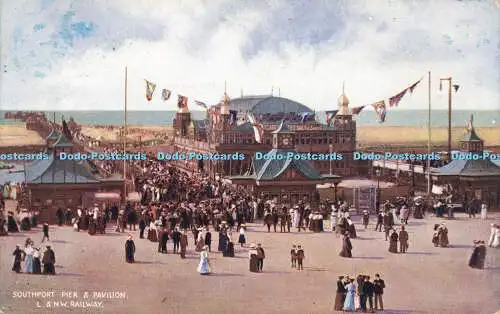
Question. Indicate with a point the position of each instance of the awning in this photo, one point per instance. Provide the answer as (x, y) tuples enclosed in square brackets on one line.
[(107, 196)]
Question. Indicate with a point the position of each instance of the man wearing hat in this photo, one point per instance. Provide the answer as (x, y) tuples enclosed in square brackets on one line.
[(49, 260), (176, 238)]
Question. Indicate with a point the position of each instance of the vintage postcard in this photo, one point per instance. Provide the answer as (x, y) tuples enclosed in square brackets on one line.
[(264, 156)]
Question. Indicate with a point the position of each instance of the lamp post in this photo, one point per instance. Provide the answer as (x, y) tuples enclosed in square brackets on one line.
[(450, 86), (377, 201)]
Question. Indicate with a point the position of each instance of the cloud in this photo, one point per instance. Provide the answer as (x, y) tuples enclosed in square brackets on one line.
[(71, 54)]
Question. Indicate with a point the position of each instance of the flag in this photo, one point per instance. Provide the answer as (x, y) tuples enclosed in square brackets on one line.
[(357, 110), (150, 89), (66, 131), (456, 87), (257, 128), (165, 94), (330, 115), (394, 100), (380, 110), (411, 88), (201, 104), (233, 114), (214, 116), (182, 102), (305, 116)]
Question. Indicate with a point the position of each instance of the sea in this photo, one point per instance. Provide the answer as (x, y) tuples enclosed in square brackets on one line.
[(410, 118)]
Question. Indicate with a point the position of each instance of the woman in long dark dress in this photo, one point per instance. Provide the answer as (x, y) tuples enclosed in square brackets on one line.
[(129, 250), (11, 223), (393, 242), (346, 246), (340, 295), (92, 227), (18, 256), (37, 265), (478, 255), (252, 254), (222, 242)]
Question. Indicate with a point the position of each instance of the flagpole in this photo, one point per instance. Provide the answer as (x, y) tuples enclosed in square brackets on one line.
[(125, 137), (429, 141)]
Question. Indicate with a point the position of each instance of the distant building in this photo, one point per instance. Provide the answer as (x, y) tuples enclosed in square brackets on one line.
[(227, 130), (56, 183), (471, 179)]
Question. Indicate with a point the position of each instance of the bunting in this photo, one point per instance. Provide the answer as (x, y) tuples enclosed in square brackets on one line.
[(456, 87), (380, 110), (201, 104), (411, 88), (257, 128), (165, 94), (357, 110), (330, 115), (182, 102), (233, 114), (150, 89), (394, 100)]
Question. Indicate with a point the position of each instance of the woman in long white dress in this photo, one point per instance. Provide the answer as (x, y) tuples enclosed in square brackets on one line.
[(28, 259), (494, 240), (484, 211), (204, 266), (333, 219)]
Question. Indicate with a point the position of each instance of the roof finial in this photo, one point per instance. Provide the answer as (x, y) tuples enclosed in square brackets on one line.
[(242, 93), (471, 120), (225, 87), (272, 90), (343, 87)]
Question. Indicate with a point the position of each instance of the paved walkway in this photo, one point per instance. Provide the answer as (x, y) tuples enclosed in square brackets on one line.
[(426, 280)]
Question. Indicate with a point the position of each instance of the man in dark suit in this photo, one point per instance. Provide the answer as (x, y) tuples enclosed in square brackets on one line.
[(368, 288), (164, 241), (176, 238), (208, 240), (378, 289), (160, 238), (380, 221), (142, 227)]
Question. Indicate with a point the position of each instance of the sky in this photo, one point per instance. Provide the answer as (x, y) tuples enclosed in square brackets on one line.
[(71, 55)]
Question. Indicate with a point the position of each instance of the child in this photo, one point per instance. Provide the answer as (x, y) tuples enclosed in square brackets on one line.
[(293, 256), (242, 238), (300, 258)]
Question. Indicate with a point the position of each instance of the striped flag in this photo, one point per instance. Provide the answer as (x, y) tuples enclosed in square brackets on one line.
[(380, 110), (150, 89), (304, 116), (201, 104), (357, 110), (257, 128), (165, 94), (330, 114), (182, 101)]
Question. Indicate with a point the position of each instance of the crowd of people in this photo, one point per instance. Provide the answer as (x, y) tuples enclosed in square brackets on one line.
[(30, 255), (360, 291)]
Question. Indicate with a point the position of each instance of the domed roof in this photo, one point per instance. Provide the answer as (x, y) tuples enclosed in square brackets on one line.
[(343, 100), (267, 104)]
